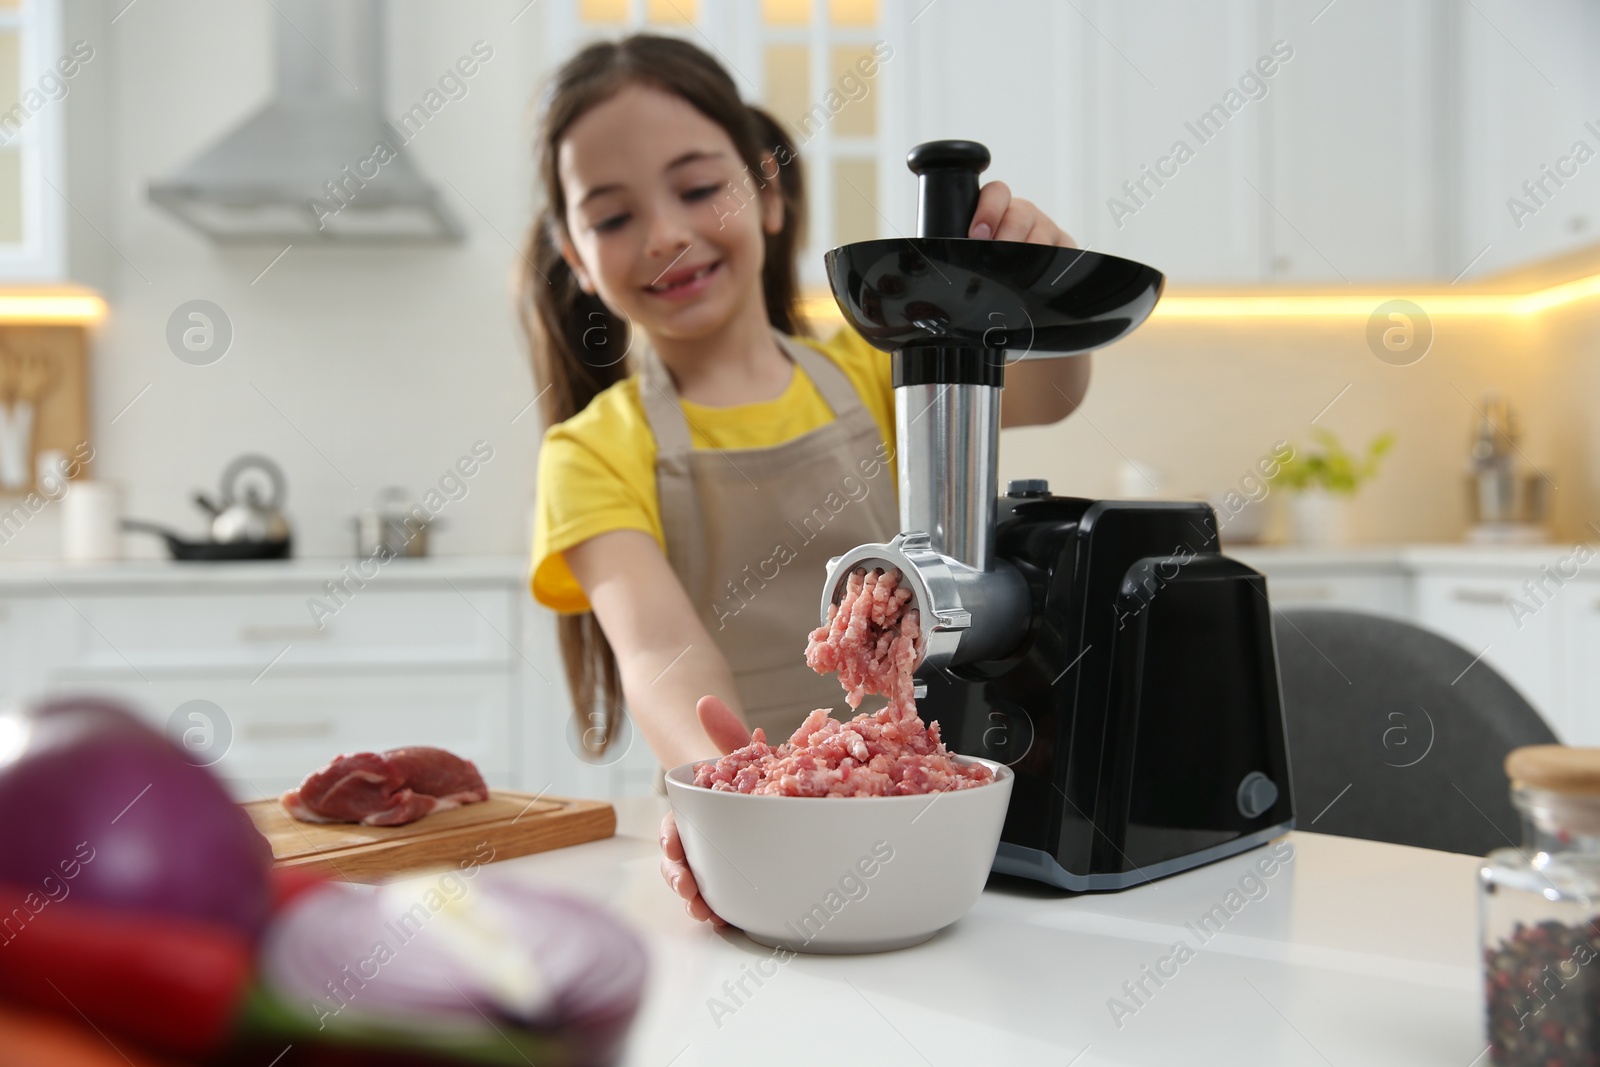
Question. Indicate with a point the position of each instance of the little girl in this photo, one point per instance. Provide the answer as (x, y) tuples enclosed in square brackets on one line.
[(704, 457)]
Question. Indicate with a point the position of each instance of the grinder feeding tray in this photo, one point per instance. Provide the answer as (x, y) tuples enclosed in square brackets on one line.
[(1105, 650)]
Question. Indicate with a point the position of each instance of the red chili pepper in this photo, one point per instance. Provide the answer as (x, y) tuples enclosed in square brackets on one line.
[(290, 882), (175, 984)]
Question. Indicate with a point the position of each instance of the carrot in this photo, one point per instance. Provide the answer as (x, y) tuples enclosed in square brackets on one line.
[(28, 1039)]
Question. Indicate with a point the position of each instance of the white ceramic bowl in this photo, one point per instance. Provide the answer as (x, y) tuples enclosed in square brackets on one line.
[(840, 874)]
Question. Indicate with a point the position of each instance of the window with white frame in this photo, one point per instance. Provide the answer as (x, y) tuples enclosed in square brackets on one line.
[(33, 85), (816, 65), (819, 68)]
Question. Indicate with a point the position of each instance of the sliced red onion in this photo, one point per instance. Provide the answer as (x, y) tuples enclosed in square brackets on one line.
[(443, 952)]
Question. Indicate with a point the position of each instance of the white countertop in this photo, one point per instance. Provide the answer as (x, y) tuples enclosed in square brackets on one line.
[(22, 576), (19, 576), (1358, 954), (1411, 557)]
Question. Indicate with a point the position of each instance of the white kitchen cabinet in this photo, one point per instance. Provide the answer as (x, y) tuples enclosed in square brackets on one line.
[(1355, 580), (1329, 138), (1393, 145), (1474, 609), (223, 632), (1389, 145), (1172, 172), (447, 652), (30, 632), (1545, 648), (1580, 607), (12, 684), (1529, 94), (1357, 149), (396, 665), (1378, 594), (1243, 141), (278, 729), (1408, 141), (963, 71)]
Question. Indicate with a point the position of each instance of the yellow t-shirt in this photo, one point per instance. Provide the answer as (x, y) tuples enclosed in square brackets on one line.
[(597, 470)]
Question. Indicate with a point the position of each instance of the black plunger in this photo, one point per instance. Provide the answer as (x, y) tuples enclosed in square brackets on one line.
[(947, 185)]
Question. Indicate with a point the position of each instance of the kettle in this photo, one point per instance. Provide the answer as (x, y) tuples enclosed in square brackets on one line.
[(248, 520)]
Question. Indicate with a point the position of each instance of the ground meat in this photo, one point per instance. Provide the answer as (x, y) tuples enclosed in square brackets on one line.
[(871, 641), (873, 755)]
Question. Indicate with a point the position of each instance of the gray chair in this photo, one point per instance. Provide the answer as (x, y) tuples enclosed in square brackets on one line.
[(1390, 741)]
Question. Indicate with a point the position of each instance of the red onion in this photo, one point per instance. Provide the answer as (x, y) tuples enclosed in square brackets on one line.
[(87, 787), (482, 945)]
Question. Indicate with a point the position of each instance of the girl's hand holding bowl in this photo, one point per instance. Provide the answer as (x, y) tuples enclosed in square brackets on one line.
[(728, 733)]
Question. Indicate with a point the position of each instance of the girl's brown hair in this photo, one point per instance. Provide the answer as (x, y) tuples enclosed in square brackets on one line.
[(576, 341)]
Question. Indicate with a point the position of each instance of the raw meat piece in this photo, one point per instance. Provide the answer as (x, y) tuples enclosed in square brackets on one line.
[(871, 641), (391, 789)]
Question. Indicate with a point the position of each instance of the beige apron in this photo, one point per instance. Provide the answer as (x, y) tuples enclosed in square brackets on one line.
[(750, 532)]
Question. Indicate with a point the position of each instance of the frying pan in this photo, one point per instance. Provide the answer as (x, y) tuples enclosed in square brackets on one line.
[(182, 548)]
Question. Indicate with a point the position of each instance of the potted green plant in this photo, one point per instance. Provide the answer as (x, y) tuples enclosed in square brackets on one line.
[(1321, 482)]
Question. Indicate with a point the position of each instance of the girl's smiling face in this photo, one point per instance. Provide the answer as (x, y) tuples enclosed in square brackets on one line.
[(653, 225)]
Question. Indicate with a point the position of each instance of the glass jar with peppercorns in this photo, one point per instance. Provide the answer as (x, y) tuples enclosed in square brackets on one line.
[(1539, 915)]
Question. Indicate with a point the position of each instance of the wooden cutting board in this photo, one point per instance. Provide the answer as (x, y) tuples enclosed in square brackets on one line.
[(503, 827)]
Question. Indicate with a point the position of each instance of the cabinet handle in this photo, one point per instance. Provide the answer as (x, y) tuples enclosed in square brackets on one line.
[(279, 731), (291, 632), (1481, 596)]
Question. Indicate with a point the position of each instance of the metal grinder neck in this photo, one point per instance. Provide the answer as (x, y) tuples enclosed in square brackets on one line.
[(947, 398)]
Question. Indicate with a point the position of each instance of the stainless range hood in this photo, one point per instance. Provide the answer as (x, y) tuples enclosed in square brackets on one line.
[(319, 161)]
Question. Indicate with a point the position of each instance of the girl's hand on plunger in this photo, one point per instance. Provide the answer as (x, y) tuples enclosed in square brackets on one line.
[(727, 733), (1007, 218), (1040, 391)]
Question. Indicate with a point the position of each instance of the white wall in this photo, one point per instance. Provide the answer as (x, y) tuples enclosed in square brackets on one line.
[(353, 368), (1203, 401)]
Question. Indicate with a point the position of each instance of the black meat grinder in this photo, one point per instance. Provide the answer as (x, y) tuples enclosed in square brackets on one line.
[(1105, 650)]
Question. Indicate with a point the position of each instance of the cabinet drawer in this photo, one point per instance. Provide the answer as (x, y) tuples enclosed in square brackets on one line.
[(12, 684), (242, 633), (1495, 616), (1583, 666), (1380, 595), (267, 736), (33, 631)]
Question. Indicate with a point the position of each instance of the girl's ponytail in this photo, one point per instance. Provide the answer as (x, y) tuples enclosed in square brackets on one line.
[(577, 346), (780, 282)]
